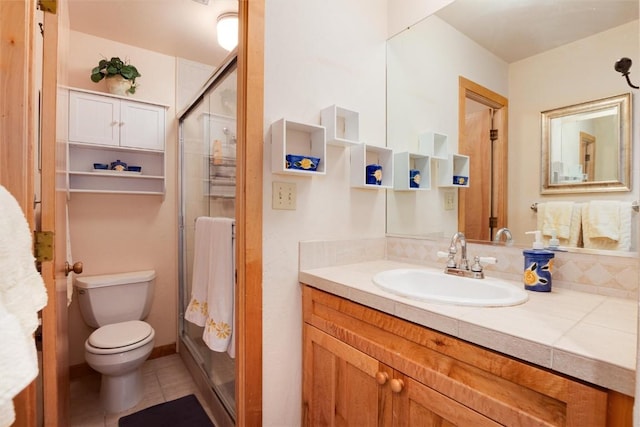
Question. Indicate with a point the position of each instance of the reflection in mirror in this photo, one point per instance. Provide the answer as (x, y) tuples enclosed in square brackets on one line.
[(587, 147), (427, 59)]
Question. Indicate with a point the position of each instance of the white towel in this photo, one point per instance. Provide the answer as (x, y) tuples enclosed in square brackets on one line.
[(22, 295), (212, 290), (603, 220), (557, 216), (595, 238), (575, 227)]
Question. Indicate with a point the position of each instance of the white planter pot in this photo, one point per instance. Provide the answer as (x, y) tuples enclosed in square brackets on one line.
[(118, 85)]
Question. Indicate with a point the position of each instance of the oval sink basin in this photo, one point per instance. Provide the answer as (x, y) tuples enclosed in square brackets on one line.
[(435, 286)]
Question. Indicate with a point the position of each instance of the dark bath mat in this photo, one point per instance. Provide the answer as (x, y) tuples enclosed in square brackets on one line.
[(183, 412)]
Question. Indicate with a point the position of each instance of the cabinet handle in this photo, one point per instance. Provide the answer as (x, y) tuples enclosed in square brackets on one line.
[(396, 385), (382, 377), (114, 123)]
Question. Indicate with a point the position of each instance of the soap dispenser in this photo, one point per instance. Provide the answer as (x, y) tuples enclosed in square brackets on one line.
[(538, 265)]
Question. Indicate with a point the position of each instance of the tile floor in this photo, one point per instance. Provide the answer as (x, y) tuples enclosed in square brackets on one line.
[(165, 378)]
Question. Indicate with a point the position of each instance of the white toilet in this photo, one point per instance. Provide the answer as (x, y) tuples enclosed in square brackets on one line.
[(116, 305)]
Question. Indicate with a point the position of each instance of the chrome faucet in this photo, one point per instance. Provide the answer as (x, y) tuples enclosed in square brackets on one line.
[(458, 237), (462, 268), (506, 233)]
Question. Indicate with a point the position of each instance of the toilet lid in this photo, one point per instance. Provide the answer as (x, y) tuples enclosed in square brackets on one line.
[(120, 334)]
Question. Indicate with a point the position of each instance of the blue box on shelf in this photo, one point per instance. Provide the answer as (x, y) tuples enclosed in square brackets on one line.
[(374, 174), (460, 180), (307, 163), (414, 178)]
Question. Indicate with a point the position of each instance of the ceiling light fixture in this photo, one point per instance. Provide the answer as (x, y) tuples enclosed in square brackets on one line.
[(227, 30)]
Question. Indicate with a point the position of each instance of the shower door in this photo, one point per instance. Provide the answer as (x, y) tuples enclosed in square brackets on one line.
[(207, 188)]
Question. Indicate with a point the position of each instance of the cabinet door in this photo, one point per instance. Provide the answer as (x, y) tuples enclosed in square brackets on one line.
[(94, 119), (417, 405), (142, 126), (340, 386)]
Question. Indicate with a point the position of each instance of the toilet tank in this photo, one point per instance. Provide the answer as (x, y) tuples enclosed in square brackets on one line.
[(113, 298)]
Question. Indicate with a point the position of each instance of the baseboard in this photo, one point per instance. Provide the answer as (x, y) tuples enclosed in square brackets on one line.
[(83, 369)]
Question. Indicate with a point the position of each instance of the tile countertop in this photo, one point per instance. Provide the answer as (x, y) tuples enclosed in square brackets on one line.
[(586, 336)]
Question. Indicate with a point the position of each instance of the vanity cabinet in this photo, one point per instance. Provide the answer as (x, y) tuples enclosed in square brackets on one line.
[(364, 367), (104, 128)]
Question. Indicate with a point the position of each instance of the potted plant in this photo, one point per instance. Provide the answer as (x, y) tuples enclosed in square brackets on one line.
[(120, 75)]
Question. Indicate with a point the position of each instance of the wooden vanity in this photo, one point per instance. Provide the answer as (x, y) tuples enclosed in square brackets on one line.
[(364, 367)]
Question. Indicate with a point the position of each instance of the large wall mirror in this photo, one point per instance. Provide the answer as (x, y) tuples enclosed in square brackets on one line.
[(587, 147), (537, 70)]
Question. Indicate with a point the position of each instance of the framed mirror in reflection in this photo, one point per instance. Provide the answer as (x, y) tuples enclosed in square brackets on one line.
[(587, 147)]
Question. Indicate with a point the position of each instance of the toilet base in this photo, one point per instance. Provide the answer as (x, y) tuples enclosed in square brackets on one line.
[(119, 393)]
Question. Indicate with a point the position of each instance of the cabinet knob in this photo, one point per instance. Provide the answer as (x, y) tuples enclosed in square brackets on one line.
[(396, 385), (76, 268), (382, 377), (114, 123)]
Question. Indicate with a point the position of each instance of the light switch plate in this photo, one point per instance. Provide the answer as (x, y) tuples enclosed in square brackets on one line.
[(449, 200), (284, 195)]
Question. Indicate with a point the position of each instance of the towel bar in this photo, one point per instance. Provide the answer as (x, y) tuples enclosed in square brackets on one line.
[(634, 205)]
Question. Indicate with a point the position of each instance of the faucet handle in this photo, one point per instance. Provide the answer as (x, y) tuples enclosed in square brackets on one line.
[(487, 260), (451, 262), (479, 260)]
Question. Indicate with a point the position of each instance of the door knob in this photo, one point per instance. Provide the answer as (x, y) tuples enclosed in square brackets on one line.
[(76, 268)]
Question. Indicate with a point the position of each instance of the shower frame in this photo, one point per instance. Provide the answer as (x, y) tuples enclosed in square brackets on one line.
[(223, 416)]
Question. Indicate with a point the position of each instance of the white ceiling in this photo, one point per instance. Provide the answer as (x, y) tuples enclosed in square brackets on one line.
[(512, 29), (517, 29), (183, 28)]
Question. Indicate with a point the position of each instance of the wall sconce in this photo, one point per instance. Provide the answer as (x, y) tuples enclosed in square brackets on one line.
[(227, 30), (623, 66)]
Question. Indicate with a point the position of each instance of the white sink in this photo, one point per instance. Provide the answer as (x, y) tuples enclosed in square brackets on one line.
[(435, 286)]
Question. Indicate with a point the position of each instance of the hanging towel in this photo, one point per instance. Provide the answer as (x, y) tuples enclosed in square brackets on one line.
[(607, 225), (603, 220), (575, 225), (22, 295), (557, 216), (212, 288)]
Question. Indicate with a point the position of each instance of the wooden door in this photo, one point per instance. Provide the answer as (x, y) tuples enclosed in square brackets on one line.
[(417, 405), (340, 386), (477, 198), (55, 371), (488, 181), (17, 133)]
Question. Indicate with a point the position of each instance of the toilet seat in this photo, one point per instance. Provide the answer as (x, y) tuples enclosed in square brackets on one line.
[(119, 337)]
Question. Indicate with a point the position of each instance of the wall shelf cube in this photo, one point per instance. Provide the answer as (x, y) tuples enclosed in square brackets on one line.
[(454, 172), (363, 155), (434, 145), (343, 126), (404, 162), (294, 138)]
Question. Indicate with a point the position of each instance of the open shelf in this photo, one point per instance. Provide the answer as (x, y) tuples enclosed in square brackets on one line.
[(433, 144), (363, 155), (454, 172), (342, 125), (404, 162), (288, 137)]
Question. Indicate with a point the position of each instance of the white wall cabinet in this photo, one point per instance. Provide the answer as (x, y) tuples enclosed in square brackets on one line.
[(454, 172), (103, 129)]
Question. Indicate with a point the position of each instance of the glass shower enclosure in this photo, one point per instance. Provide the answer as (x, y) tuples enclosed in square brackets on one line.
[(207, 176)]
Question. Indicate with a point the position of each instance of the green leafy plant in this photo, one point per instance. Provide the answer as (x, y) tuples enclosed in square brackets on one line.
[(113, 67)]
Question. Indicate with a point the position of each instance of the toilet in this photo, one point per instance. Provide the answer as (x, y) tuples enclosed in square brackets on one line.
[(116, 305)]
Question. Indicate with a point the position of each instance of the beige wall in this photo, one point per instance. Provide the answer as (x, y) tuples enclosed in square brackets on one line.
[(564, 76), (119, 233)]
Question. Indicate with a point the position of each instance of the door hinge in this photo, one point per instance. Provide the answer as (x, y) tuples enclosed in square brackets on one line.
[(493, 134), (493, 221), (43, 246), (50, 6)]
